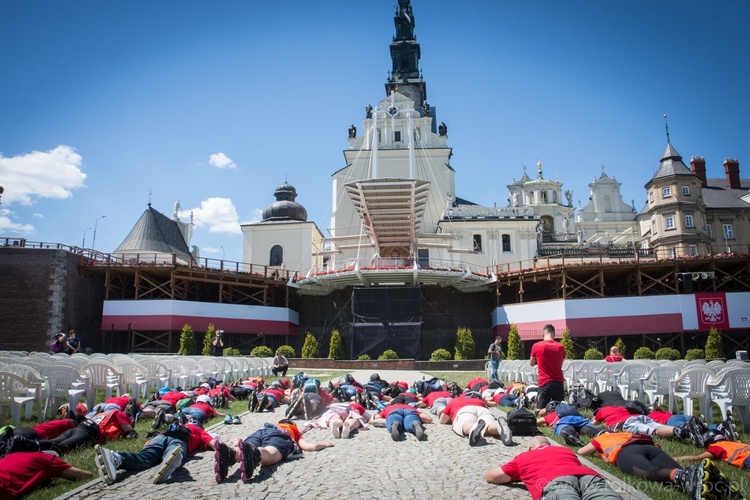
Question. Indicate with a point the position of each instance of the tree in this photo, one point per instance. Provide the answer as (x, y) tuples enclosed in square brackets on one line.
[(464, 344), (187, 341), (287, 351), (336, 348), (620, 346), (514, 343), (262, 351), (714, 348), (567, 343), (232, 351), (643, 353), (440, 355), (388, 354), (310, 349), (593, 353), (692, 354), (207, 338), (668, 353)]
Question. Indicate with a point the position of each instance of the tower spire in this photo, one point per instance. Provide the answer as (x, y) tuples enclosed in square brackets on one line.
[(666, 126), (405, 76)]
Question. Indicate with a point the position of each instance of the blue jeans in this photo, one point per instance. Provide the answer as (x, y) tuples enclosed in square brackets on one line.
[(153, 453), (196, 413), (404, 418), (494, 365)]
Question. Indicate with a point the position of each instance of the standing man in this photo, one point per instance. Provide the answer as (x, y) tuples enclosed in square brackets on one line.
[(218, 343), (548, 355), (74, 343), (496, 355)]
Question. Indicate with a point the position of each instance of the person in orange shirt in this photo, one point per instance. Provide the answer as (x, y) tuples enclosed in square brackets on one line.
[(718, 447)]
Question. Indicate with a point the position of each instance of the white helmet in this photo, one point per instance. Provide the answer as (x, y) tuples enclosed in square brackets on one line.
[(203, 399)]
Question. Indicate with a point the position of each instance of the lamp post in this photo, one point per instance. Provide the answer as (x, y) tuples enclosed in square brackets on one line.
[(93, 245), (83, 244), (223, 253)]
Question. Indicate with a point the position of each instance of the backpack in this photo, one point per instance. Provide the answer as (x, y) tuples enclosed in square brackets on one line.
[(584, 399), (239, 392), (637, 408), (392, 390), (454, 389), (566, 410), (299, 380), (522, 423), (347, 379), (311, 385), (184, 403), (611, 398), (424, 387)]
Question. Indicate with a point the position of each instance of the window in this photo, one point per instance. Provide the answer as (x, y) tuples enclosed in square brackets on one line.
[(728, 233), (607, 204), (277, 256), (544, 196), (397, 136), (692, 250), (666, 192), (710, 231), (477, 239), (671, 253), (651, 197), (689, 221), (686, 190), (506, 243), (423, 256), (653, 226), (669, 222)]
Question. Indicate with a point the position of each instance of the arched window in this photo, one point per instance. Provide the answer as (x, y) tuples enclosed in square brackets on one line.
[(607, 204), (544, 196), (277, 256)]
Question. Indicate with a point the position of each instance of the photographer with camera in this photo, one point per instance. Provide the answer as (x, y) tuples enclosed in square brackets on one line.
[(218, 343)]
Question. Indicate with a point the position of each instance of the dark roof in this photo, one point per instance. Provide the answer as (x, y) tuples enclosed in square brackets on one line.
[(155, 232), (460, 201), (671, 164), (718, 195)]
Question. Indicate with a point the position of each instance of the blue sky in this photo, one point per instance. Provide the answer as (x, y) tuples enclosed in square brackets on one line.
[(217, 103)]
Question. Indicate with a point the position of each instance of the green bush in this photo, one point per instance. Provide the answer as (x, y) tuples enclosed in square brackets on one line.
[(464, 344), (440, 355), (714, 349), (388, 354), (620, 346), (692, 354), (287, 351), (668, 353), (261, 351), (232, 351), (643, 353), (593, 354), (514, 343), (364, 357), (207, 338), (310, 349), (336, 348), (567, 343), (187, 341)]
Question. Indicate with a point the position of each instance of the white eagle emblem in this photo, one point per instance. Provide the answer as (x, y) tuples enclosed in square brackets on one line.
[(712, 311)]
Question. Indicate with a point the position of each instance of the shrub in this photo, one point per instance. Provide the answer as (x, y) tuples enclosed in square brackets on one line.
[(593, 353), (692, 354), (232, 351), (187, 341), (643, 353), (464, 344), (287, 351), (567, 343), (261, 351), (336, 348), (440, 355), (207, 338), (514, 343), (388, 354), (714, 348), (620, 346), (364, 357), (668, 353), (310, 349)]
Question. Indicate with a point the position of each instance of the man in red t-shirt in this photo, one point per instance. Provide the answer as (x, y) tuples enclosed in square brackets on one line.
[(548, 356), (553, 471), (22, 472)]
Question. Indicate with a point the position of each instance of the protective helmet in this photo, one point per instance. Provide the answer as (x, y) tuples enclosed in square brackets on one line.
[(712, 435), (374, 377), (203, 399), (551, 406)]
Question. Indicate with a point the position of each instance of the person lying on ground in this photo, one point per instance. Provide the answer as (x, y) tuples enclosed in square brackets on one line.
[(722, 444), (470, 417), (101, 428), (342, 419), (22, 473), (406, 418), (622, 418), (567, 422), (197, 413)]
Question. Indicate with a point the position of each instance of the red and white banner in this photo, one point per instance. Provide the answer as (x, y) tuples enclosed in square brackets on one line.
[(712, 311)]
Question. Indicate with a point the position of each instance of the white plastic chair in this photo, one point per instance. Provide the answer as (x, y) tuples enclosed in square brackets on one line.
[(731, 389), (158, 374), (180, 374), (570, 372), (101, 375), (586, 373), (656, 382), (688, 386), (606, 375), (62, 382), (37, 383), (629, 379), (13, 394), (135, 378)]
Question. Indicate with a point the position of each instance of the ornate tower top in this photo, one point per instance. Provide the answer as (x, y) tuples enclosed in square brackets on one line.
[(405, 76)]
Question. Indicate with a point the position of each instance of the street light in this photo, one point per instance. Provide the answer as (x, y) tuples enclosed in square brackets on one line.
[(223, 253), (93, 245), (83, 244)]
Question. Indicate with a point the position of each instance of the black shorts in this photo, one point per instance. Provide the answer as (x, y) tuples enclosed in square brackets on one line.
[(551, 391), (273, 437)]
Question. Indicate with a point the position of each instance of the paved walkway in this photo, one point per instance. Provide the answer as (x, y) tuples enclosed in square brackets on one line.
[(369, 465)]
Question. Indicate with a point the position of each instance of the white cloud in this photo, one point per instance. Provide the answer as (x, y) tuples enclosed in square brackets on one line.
[(220, 160), (7, 224), (51, 174), (217, 214), (256, 216), (38, 216), (211, 250)]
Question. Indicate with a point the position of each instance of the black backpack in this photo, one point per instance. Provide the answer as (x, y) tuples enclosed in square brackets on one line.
[(584, 399), (522, 423), (424, 387), (239, 392)]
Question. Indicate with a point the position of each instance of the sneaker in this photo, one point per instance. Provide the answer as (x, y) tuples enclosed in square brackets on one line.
[(107, 462), (236, 420), (571, 439), (228, 419), (395, 432), (253, 403), (716, 484), (262, 403), (336, 431), (159, 419), (249, 459), (345, 431), (506, 435), (475, 432), (307, 407), (168, 466), (419, 431), (222, 456)]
